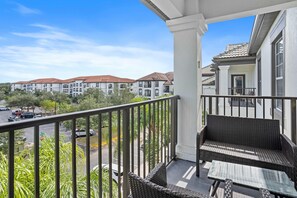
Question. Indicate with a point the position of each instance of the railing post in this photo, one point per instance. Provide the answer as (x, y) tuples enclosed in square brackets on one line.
[(210, 105), (293, 120), (36, 162), (174, 127), (126, 152), (11, 163), (57, 160)]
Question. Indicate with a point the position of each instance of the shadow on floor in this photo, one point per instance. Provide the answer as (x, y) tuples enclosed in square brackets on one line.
[(183, 173)]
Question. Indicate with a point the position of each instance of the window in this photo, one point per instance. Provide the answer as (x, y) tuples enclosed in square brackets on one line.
[(140, 83), (109, 86), (140, 92), (156, 83), (157, 92), (97, 84), (80, 90), (259, 77), (278, 68), (109, 92), (147, 93), (147, 84), (122, 86), (166, 89)]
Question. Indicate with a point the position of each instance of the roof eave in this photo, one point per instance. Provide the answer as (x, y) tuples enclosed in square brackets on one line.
[(234, 61), (155, 9), (262, 25)]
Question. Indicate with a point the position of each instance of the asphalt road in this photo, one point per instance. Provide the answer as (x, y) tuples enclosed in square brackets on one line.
[(48, 130), (4, 115)]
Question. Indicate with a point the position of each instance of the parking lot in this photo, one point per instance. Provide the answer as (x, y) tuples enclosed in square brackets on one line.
[(47, 130), (4, 115)]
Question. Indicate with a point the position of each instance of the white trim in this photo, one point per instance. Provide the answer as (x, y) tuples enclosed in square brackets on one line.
[(196, 22)]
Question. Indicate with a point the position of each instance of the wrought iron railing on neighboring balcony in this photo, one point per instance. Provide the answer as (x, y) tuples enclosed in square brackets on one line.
[(145, 133), (242, 91), (266, 107)]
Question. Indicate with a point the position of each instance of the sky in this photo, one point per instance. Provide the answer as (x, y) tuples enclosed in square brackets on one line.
[(69, 38)]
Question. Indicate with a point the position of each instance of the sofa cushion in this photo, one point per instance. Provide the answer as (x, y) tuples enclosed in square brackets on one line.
[(243, 152), (261, 133)]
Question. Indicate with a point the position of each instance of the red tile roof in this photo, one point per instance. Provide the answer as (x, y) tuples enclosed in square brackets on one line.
[(45, 81), (156, 76), (86, 79)]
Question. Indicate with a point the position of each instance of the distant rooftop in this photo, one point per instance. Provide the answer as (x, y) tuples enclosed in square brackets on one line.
[(234, 51), (86, 79)]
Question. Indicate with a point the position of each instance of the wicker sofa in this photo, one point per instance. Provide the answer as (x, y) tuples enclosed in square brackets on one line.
[(155, 186), (254, 142)]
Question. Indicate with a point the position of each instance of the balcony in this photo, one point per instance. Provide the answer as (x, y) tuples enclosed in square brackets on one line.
[(139, 136)]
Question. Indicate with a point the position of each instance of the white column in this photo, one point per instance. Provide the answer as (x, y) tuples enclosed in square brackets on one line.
[(188, 80), (224, 80), (153, 90)]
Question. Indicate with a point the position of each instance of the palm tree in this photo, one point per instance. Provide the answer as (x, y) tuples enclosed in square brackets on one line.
[(24, 173)]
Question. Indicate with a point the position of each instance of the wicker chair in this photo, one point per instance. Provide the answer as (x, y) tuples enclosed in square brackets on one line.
[(155, 186), (254, 142)]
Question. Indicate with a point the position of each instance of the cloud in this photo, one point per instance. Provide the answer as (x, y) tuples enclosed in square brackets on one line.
[(55, 53), (26, 10)]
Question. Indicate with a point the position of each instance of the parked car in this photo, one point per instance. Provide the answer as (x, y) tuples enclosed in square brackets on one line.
[(17, 112), (27, 115), (82, 132), (13, 118), (4, 109), (114, 172)]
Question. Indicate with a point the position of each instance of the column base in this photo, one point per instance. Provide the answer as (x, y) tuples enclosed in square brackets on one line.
[(186, 152)]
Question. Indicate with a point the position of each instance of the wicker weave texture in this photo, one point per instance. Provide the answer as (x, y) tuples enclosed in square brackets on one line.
[(254, 142), (149, 188), (261, 133)]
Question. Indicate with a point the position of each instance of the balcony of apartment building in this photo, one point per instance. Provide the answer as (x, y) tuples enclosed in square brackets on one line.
[(162, 130)]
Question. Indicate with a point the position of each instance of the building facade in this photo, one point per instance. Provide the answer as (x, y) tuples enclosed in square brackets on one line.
[(75, 86), (266, 66), (154, 85)]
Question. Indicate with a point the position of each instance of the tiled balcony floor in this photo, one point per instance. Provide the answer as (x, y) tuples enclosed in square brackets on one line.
[(183, 173)]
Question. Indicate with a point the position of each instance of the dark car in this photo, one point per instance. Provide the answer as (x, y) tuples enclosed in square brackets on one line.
[(27, 115)]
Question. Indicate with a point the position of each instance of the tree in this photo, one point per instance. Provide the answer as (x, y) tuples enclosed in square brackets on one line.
[(24, 169), (119, 97), (48, 105), (18, 140), (97, 94), (22, 100), (4, 90)]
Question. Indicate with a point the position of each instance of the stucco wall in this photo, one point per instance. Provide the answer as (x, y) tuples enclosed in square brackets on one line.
[(290, 64)]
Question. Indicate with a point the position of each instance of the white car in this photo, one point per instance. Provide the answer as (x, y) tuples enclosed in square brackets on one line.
[(82, 132), (4, 109), (114, 172)]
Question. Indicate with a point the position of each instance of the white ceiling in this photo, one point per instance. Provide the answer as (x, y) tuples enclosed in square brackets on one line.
[(220, 10)]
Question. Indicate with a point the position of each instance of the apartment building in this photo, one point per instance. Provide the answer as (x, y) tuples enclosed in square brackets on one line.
[(42, 84), (154, 85), (75, 86)]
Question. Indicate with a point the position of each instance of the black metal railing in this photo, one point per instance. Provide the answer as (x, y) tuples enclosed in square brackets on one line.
[(266, 107), (143, 134), (242, 91)]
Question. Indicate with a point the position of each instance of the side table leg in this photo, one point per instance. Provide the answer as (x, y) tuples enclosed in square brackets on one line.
[(213, 188)]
